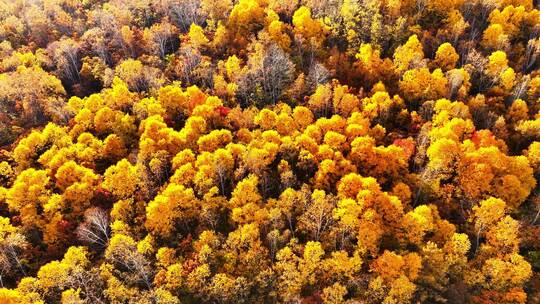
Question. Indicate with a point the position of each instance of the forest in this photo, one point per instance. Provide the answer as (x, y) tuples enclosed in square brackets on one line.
[(269, 151)]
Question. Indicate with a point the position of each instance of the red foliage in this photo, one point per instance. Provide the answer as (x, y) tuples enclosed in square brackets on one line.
[(223, 111), (64, 226), (189, 265), (407, 145), (169, 121), (483, 138), (185, 244), (103, 198)]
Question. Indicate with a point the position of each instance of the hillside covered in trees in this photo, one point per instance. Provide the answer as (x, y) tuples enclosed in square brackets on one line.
[(269, 151)]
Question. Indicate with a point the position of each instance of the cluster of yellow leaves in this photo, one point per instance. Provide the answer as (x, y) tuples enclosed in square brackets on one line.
[(420, 84), (371, 63), (312, 30), (446, 57), (456, 149), (501, 268), (296, 272), (173, 157), (408, 55), (395, 274), (56, 275), (174, 206), (121, 179), (367, 211)]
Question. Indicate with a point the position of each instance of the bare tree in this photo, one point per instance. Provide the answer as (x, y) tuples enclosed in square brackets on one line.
[(535, 199), (160, 37), (89, 282), (95, 41), (476, 13), (521, 88), (317, 217), (125, 256), (270, 71), (478, 70), (185, 12), (95, 229), (532, 54), (189, 59), (455, 80), (276, 72), (318, 74), (66, 57), (10, 250)]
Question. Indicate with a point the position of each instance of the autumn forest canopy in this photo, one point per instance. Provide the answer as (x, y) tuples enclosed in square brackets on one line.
[(269, 151)]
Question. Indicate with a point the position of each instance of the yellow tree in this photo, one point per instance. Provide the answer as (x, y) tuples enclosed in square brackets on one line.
[(121, 179), (446, 57), (245, 17), (512, 183), (494, 37), (419, 84), (245, 202), (176, 205), (371, 63), (409, 55), (78, 184), (384, 163), (310, 30), (38, 94), (501, 269), (196, 36), (417, 223), (29, 193), (367, 212), (395, 276)]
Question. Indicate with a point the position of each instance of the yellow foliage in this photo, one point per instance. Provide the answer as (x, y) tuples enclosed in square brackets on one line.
[(494, 37), (9, 296), (121, 179), (197, 36), (408, 55), (446, 57), (308, 28), (28, 193), (420, 84), (176, 203), (497, 63), (246, 15)]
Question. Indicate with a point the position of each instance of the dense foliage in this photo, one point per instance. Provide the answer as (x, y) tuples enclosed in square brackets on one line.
[(263, 151)]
